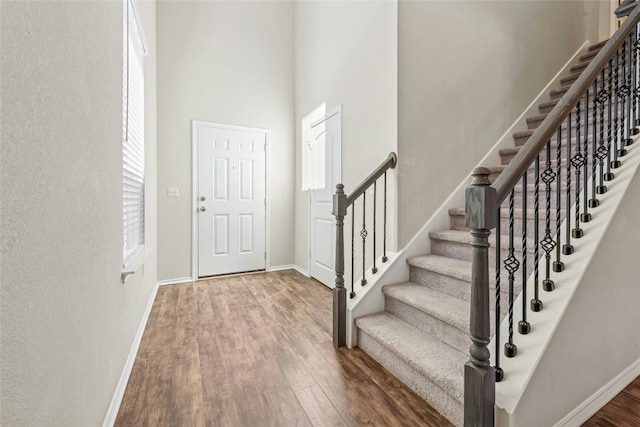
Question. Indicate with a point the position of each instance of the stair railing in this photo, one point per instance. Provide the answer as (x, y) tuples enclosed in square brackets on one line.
[(341, 204), (585, 135)]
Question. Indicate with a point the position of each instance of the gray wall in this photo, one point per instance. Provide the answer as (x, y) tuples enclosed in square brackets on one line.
[(223, 62), (68, 322), (466, 71), (347, 53)]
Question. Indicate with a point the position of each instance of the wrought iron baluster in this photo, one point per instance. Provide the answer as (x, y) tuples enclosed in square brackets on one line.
[(363, 234), (608, 176), (353, 249), (629, 95), (524, 327), (636, 92), (384, 237), (536, 304), (499, 371), (558, 265), (374, 270), (577, 162), (511, 264), (602, 152), (621, 92), (567, 248), (548, 244), (594, 202), (586, 216)]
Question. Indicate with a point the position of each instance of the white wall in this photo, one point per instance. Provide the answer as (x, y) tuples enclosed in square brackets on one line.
[(597, 338), (68, 322), (223, 62), (467, 69), (346, 53)]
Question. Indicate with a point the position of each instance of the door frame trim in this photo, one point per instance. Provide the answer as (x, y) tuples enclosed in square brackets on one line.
[(194, 189), (327, 115)]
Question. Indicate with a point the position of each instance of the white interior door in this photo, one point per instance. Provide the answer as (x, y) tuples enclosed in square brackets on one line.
[(324, 138), (231, 203)]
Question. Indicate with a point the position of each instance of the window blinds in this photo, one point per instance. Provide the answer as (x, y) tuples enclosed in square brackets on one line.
[(133, 144)]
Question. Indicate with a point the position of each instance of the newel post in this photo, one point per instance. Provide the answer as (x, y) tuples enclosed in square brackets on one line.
[(339, 291), (479, 375)]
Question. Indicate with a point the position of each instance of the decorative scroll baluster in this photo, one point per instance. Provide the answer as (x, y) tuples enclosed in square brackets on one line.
[(558, 265), (628, 81), (636, 91), (536, 303), (479, 375), (511, 264), (498, 312), (577, 162), (608, 176), (602, 152), (567, 248), (586, 216), (619, 118), (353, 249), (374, 270), (594, 202), (363, 234), (524, 327), (384, 237), (548, 244)]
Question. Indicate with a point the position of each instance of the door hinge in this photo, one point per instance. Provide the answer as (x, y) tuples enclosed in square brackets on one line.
[(265, 255), (265, 201)]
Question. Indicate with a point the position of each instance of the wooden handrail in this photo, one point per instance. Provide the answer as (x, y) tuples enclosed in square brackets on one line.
[(525, 157), (389, 163)]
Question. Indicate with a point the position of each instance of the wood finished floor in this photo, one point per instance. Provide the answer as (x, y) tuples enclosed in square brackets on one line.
[(256, 350), (623, 410)]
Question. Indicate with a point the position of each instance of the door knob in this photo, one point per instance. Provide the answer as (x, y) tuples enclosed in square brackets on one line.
[(202, 209), (202, 198)]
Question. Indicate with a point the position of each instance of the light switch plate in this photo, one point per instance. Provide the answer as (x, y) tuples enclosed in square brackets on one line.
[(173, 192)]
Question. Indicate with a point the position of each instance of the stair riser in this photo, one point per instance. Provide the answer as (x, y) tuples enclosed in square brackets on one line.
[(455, 287), (462, 251), (457, 223), (435, 396), (435, 327)]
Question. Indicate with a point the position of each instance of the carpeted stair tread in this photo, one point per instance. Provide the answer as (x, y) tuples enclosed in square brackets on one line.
[(588, 56), (569, 79), (579, 67), (598, 46), (547, 106), (438, 362), (504, 213), (444, 307), (443, 265), (462, 236)]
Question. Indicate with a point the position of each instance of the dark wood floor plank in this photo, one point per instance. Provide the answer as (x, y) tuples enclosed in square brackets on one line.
[(622, 410), (256, 350), (319, 408)]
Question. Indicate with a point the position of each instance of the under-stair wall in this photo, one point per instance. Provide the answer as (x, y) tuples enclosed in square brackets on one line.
[(595, 349)]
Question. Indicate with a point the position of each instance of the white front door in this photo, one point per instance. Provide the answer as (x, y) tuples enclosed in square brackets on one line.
[(231, 201), (325, 140)]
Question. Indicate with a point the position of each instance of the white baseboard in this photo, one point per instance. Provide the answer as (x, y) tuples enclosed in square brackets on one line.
[(601, 397), (290, 267), (175, 281), (116, 401)]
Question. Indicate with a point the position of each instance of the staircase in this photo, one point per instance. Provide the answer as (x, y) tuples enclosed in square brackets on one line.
[(422, 336)]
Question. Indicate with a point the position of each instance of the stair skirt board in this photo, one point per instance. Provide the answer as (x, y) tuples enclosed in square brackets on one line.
[(419, 330)]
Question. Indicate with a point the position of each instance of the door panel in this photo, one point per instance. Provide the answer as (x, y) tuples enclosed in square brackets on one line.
[(231, 200), (324, 136)]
